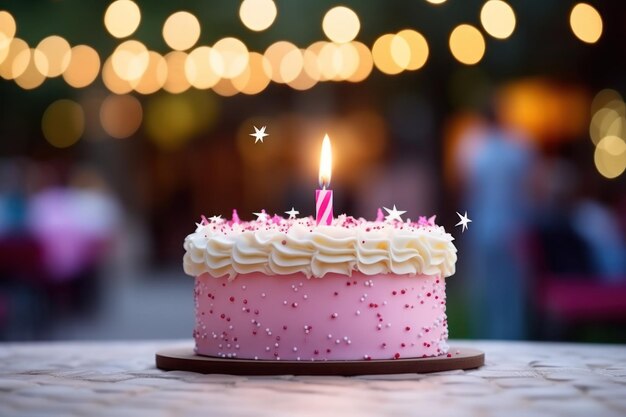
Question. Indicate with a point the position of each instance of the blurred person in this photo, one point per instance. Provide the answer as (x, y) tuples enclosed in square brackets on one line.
[(600, 229), (73, 223), (494, 163)]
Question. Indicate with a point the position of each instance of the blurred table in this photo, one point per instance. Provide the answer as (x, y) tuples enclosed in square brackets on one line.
[(119, 379)]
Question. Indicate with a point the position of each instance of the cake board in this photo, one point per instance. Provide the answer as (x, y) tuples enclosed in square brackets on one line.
[(184, 359)]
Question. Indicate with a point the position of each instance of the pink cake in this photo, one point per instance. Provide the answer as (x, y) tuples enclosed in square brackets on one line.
[(288, 289)]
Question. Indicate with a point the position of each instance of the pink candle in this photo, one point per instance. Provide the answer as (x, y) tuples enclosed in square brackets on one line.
[(324, 197)]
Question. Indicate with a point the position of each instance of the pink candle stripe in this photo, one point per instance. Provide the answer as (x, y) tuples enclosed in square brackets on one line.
[(324, 206)]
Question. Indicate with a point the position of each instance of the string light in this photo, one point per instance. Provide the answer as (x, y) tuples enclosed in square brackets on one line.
[(467, 44), (498, 19), (83, 67), (257, 15), (54, 57), (181, 31), (122, 18), (120, 115), (341, 24), (63, 123), (586, 23)]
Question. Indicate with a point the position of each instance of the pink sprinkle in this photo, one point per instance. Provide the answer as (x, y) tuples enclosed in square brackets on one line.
[(203, 220), (236, 219)]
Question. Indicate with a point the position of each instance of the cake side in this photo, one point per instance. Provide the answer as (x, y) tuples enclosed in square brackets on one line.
[(278, 246), (291, 317)]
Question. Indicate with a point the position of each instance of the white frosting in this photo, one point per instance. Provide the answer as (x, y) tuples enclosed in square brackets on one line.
[(280, 247)]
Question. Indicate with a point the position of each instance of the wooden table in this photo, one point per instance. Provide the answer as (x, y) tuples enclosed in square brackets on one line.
[(119, 379)]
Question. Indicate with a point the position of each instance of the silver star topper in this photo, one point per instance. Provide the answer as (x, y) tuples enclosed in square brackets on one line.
[(394, 214), (292, 213)]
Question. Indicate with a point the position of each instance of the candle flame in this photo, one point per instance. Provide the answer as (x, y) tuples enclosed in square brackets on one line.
[(326, 161)]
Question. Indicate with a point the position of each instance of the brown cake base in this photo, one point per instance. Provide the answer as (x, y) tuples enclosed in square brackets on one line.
[(184, 359)]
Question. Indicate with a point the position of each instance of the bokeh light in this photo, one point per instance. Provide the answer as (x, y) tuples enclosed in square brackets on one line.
[(225, 88), (418, 48), (366, 63), (120, 116), (341, 24), (256, 77), (230, 57), (171, 120), (291, 65), (130, 60), (467, 44), (198, 69), (257, 15), (176, 81), (16, 46), (181, 31), (436, 1), (274, 55), (112, 81), (54, 57), (20, 62), (603, 98), (400, 51), (382, 54), (306, 79), (498, 19), (25, 71), (122, 18), (154, 76), (7, 32), (610, 156), (83, 67), (63, 123), (586, 23)]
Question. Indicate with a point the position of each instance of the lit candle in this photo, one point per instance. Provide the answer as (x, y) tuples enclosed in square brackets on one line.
[(324, 197)]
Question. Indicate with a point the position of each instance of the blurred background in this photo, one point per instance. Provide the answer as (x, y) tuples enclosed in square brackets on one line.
[(122, 122)]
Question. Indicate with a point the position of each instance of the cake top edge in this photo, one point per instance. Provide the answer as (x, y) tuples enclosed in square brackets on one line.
[(279, 246)]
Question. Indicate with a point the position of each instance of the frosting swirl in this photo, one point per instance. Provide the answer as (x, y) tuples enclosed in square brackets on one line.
[(280, 246)]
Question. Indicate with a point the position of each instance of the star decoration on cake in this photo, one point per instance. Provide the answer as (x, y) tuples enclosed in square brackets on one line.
[(215, 219), (262, 216), (464, 221), (394, 214), (259, 134), (292, 213)]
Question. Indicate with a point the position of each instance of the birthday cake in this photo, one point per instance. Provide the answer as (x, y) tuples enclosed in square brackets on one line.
[(290, 289)]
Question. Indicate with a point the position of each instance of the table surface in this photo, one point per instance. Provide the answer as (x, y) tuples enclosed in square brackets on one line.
[(119, 379)]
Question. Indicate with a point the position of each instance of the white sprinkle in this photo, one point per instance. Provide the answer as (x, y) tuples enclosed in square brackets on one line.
[(301, 284), (380, 326), (236, 346), (335, 315), (361, 299), (284, 302), (337, 341), (267, 348), (345, 338), (305, 296), (388, 324), (330, 336), (384, 303), (243, 287), (276, 344), (295, 349), (358, 312), (263, 294), (228, 345), (256, 358)]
